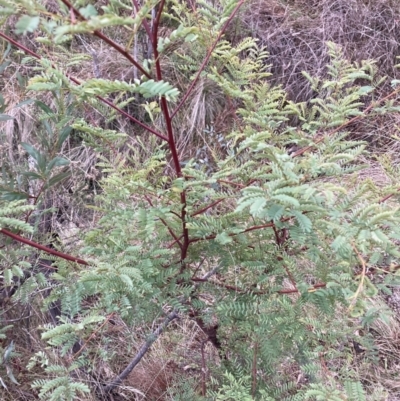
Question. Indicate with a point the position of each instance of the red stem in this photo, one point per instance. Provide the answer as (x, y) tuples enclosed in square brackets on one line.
[(171, 140), (165, 224), (109, 41), (384, 199), (145, 24), (174, 242), (22, 47), (124, 113), (204, 209), (107, 102), (26, 241), (157, 21), (164, 104), (121, 50)]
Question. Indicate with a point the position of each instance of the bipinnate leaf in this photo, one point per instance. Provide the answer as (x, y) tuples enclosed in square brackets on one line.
[(150, 88), (42, 86), (88, 11), (304, 222), (257, 207), (223, 238), (27, 24)]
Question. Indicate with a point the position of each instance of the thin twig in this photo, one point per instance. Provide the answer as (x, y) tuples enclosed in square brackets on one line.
[(171, 139), (207, 58), (93, 335), (204, 209), (145, 24), (165, 224), (109, 41), (385, 198), (174, 242)]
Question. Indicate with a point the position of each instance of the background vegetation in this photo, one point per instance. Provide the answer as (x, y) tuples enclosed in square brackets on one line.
[(199, 200)]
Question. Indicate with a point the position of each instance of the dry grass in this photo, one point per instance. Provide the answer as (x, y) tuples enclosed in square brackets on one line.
[(295, 33), (386, 334)]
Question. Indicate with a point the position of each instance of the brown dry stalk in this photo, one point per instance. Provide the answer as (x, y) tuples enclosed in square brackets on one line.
[(362, 279)]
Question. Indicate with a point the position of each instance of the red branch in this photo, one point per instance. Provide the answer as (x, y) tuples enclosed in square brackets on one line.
[(165, 224), (204, 209), (125, 114), (384, 199), (170, 131), (109, 41), (50, 251), (145, 24), (76, 81), (174, 242)]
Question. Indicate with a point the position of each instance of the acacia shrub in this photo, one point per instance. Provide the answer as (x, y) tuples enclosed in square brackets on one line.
[(268, 252)]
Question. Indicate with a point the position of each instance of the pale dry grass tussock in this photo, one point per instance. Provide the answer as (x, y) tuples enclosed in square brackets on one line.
[(295, 34), (174, 356), (386, 334)]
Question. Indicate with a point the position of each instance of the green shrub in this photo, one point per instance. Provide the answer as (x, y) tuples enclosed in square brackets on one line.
[(269, 252)]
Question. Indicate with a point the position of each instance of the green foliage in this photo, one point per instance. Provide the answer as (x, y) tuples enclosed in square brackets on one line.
[(27, 24), (284, 239), (10, 210), (62, 387), (234, 389)]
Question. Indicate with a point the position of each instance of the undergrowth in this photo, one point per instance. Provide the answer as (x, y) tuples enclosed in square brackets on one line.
[(175, 225)]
